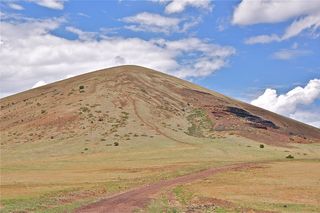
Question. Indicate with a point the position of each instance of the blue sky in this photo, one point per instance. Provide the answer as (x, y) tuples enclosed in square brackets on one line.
[(263, 52)]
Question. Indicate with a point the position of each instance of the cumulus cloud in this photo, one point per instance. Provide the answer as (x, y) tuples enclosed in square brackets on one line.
[(290, 103), (30, 52), (272, 11), (309, 117), (178, 6), (52, 4), (307, 17)]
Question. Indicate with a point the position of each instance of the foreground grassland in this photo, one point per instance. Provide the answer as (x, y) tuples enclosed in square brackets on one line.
[(286, 186), (51, 177)]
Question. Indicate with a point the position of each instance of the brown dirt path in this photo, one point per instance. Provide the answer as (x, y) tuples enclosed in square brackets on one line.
[(140, 197)]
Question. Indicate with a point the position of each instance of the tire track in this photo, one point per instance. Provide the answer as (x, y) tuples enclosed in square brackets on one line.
[(154, 127), (140, 197)]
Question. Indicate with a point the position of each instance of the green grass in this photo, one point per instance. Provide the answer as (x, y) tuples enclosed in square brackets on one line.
[(283, 207), (183, 196), (44, 203), (161, 205), (200, 123)]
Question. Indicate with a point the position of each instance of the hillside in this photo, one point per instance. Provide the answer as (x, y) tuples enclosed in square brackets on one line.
[(108, 103), (73, 142)]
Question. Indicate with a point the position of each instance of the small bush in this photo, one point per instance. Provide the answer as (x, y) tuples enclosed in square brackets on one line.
[(261, 146), (86, 149), (116, 143), (43, 111), (81, 87), (290, 156)]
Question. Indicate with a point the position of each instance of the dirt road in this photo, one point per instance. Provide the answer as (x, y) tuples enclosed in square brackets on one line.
[(139, 197)]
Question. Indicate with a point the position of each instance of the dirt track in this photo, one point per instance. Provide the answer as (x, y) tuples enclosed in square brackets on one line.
[(139, 197)]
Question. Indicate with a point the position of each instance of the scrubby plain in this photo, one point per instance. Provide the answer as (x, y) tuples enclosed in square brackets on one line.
[(87, 138)]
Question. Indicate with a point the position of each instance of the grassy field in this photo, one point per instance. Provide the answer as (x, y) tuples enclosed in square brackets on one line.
[(55, 176), (284, 186)]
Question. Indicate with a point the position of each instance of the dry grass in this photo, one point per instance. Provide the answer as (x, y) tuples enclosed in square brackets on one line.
[(288, 186)]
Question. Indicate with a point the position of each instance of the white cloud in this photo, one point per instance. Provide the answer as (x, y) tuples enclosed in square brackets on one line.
[(272, 11), (309, 22), (309, 117), (81, 34), (15, 6), (152, 22), (290, 103), (222, 24), (306, 15), (30, 52), (262, 39), (52, 4), (69, 76), (286, 54), (211, 57), (178, 6), (39, 84)]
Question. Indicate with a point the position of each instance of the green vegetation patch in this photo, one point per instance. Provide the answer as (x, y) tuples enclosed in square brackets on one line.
[(162, 205), (200, 123), (183, 196)]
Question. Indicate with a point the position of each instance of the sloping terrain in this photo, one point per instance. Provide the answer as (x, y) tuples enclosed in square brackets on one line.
[(76, 141), (99, 104)]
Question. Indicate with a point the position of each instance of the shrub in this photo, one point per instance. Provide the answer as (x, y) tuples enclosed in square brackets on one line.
[(116, 143), (261, 146), (43, 111), (86, 149), (289, 157), (81, 87)]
